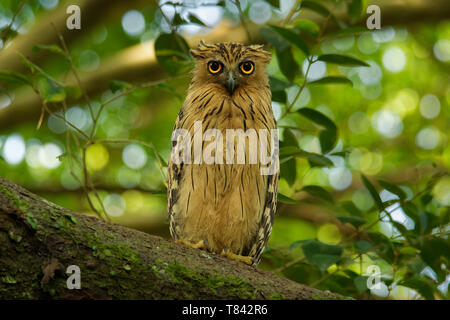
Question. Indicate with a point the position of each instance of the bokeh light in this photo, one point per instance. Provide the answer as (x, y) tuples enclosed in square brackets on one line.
[(428, 138), (394, 60), (14, 149), (442, 191), (370, 75), (133, 22), (358, 122), (388, 123), (317, 70), (260, 12), (430, 106), (48, 4), (97, 157), (89, 61), (48, 155), (114, 205), (441, 50), (329, 233), (134, 156)]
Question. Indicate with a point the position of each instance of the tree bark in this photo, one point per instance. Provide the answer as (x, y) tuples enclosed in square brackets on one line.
[(40, 240)]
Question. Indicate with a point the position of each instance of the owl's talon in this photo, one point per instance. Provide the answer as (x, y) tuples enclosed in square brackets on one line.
[(236, 257), (199, 245)]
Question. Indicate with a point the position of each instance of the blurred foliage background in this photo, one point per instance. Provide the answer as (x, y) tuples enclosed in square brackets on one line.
[(86, 118)]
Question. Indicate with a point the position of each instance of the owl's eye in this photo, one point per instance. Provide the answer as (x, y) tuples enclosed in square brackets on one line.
[(247, 67), (214, 67)]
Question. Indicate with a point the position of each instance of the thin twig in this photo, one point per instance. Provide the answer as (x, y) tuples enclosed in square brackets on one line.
[(243, 22)]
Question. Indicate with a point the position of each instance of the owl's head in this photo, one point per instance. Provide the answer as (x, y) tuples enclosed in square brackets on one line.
[(231, 65)]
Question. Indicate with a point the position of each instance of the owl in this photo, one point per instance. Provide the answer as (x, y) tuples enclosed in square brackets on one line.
[(225, 207)]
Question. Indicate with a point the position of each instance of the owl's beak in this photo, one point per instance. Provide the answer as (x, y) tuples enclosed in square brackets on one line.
[(231, 83)]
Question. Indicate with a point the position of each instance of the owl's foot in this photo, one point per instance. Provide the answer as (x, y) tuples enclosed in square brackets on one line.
[(199, 245), (236, 257)]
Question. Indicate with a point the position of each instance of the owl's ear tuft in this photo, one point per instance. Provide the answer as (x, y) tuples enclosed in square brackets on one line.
[(259, 51), (199, 52), (196, 54)]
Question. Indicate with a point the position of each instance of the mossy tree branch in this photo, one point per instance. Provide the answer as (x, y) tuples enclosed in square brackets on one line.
[(39, 240)]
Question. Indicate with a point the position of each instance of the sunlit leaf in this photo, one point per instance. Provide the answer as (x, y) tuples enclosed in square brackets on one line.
[(307, 26), (73, 92), (50, 91), (52, 48)]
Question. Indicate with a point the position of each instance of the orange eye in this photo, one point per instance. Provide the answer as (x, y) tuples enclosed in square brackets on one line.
[(214, 67), (247, 67)]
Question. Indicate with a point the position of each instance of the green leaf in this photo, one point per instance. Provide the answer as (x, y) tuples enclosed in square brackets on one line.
[(328, 137), (361, 283), (50, 91), (318, 118), (293, 38), (172, 53), (274, 38), (421, 285), (321, 254), (318, 192), (35, 68), (194, 19), (178, 20), (363, 245), (277, 87), (355, 10), (354, 221), (277, 84), (73, 92), (373, 192), (316, 7), (342, 60), (12, 77), (332, 80), (313, 158), (287, 63), (285, 199), (274, 3), (307, 26), (288, 169), (52, 48), (119, 85), (350, 207), (393, 189)]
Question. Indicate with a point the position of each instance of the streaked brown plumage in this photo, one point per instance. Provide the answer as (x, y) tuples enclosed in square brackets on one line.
[(228, 206)]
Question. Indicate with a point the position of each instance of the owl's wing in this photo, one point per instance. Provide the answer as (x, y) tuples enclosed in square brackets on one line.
[(266, 222), (175, 174)]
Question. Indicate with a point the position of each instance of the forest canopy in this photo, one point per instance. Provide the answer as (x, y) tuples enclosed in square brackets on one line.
[(86, 116)]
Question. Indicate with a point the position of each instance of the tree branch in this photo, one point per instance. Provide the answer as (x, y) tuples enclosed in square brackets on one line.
[(39, 240)]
